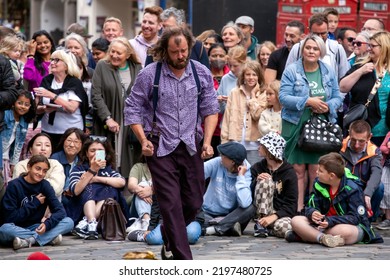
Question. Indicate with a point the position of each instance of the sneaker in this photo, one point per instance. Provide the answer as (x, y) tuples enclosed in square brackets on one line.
[(145, 224), (56, 241), (166, 255), (20, 243), (136, 235), (136, 225), (81, 228), (236, 230), (332, 240), (291, 236), (260, 231), (384, 225), (92, 233)]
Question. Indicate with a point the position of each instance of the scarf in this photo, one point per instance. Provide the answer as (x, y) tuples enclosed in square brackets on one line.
[(70, 83)]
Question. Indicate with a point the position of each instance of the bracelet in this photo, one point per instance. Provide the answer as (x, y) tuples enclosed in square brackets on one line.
[(91, 171), (108, 118), (55, 98)]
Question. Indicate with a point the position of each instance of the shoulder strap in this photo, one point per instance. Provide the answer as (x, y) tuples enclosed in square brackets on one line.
[(155, 89), (157, 81), (374, 89)]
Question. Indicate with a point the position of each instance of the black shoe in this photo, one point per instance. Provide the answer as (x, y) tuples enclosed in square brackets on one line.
[(260, 231), (166, 255), (236, 229), (291, 236)]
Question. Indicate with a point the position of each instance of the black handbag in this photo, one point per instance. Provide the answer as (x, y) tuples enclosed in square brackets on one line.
[(356, 112), (320, 135)]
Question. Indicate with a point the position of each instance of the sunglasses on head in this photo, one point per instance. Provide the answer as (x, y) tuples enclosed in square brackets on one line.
[(101, 139), (358, 43)]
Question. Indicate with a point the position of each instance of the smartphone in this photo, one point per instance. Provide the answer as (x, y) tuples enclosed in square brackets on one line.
[(100, 154)]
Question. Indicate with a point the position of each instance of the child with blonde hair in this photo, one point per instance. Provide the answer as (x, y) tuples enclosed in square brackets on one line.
[(270, 118), (12, 47)]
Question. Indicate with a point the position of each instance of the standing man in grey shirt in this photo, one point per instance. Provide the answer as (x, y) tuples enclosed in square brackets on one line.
[(168, 126)]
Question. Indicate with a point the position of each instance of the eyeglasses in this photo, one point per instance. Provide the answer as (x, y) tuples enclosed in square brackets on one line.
[(21, 103), (98, 138), (358, 43), (369, 29), (350, 39), (74, 141), (55, 60), (373, 46)]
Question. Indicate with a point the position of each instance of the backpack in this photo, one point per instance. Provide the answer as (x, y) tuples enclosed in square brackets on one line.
[(112, 221)]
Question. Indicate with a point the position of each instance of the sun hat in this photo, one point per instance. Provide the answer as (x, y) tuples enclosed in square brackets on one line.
[(274, 143)]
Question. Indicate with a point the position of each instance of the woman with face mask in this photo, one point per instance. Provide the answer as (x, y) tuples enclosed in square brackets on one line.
[(218, 66)]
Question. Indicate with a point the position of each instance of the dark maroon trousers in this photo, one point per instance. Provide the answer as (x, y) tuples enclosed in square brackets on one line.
[(178, 182)]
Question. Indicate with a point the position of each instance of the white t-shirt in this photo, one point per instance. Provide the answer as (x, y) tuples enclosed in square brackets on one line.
[(63, 120)]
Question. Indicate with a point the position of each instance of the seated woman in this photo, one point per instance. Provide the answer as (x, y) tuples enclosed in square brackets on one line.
[(276, 189), (23, 208), (40, 144), (68, 154), (91, 183)]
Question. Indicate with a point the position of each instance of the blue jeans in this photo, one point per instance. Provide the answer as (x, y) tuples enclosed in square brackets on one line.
[(142, 206), (9, 231), (376, 199), (193, 233)]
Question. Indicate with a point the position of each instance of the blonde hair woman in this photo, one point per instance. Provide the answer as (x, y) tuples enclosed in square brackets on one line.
[(112, 81), (265, 50), (62, 97)]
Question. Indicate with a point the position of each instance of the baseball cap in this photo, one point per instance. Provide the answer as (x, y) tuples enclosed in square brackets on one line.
[(233, 150), (78, 29), (245, 20)]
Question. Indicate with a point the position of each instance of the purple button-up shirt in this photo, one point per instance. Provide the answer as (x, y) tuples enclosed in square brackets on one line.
[(177, 107)]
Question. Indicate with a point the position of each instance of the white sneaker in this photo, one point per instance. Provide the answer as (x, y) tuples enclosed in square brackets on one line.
[(137, 225), (145, 224), (92, 231), (81, 228)]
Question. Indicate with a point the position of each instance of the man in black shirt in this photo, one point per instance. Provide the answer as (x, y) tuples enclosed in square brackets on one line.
[(295, 31)]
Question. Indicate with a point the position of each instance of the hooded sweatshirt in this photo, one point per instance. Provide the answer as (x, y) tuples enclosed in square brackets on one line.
[(285, 201)]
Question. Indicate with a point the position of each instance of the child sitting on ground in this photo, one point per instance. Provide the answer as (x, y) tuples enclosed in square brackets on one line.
[(336, 212)]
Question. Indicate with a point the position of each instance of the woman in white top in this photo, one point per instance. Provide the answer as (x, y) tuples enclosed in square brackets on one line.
[(62, 98)]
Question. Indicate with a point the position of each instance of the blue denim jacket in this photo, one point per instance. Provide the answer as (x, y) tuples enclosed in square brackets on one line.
[(294, 91), (21, 132)]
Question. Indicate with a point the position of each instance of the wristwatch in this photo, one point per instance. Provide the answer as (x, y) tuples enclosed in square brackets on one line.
[(108, 118)]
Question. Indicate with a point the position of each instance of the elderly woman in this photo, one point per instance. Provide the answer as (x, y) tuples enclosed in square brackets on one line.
[(91, 183), (307, 86), (68, 155), (232, 35), (62, 95), (111, 84), (361, 78), (77, 45)]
